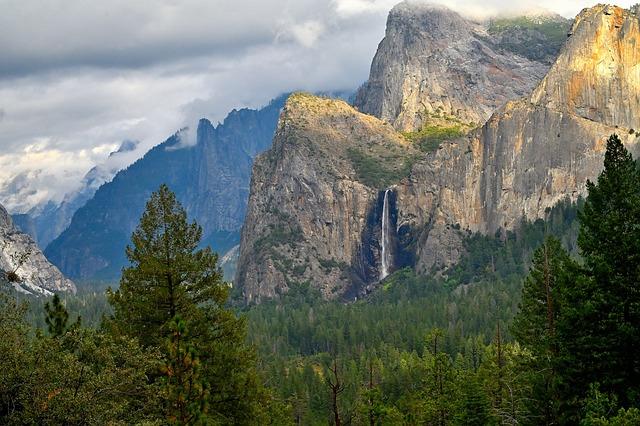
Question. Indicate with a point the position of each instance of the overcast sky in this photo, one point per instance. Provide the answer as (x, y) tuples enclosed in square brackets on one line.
[(78, 77)]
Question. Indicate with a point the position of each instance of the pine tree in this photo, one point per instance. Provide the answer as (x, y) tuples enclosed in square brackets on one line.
[(602, 329), (474, 407), (535, 327), (170, 277), (185, 391), (57, 318)]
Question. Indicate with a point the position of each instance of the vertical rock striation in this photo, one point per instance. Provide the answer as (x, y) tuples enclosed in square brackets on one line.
[(536, 151), (315, 199)]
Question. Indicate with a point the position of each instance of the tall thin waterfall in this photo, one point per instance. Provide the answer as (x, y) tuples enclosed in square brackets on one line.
[(385, 243)]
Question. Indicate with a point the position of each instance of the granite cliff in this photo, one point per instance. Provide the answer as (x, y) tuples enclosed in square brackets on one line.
[(535, 151), (313, 218), (312, 215), (434, 66), (21, 257)]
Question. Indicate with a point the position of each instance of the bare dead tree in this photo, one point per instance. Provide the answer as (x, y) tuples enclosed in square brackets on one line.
[(336, 386), (18, 259)]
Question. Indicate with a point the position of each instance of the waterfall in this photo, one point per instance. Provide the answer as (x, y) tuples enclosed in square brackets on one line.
[(384, 238)]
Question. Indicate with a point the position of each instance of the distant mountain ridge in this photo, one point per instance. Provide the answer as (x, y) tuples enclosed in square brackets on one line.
[(45, 223), (210, 178)]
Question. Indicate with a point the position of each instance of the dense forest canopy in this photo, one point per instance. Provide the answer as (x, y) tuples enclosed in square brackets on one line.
[(492, 340)]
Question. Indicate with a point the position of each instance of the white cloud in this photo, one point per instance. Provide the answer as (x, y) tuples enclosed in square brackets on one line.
[(349, 8), (307, 33)]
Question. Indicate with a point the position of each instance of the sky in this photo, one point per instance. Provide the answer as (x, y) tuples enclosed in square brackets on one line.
[(78, 77)]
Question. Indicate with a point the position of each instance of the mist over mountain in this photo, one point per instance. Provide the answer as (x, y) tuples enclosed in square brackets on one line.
[(45, 223), (209, 177)]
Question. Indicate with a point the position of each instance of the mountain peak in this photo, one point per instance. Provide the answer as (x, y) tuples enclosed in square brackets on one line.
[(596, 74), (434, 20), (435, 65)]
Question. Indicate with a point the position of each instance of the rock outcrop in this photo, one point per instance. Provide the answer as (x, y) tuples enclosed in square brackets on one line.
[(313, 218), (313, 214), (21, 257), (434, 65)]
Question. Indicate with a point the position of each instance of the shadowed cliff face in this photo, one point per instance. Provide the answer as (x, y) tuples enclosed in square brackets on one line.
[(19, 253), (434, 66), (315, 208)]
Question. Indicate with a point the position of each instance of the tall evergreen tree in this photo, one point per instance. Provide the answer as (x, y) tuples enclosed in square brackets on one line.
[(535, 327), (170, 277), (185, 392), (602, 329)]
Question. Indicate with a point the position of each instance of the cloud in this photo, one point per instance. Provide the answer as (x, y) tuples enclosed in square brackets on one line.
[(77, 79), (350, 8), (307, 33)]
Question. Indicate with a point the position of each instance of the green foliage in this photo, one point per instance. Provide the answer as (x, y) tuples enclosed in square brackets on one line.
[(80, 377), (375, 173), (507, 255), (57, 317), (429, 137), (89, 304), (581, 323), (171, 280), (555, 31), (278, 235), (603, 298), (184, 391), (474, 407), (535, 327)]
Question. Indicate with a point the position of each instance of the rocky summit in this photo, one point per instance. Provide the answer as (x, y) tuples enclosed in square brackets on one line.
[(342, 198), (23, 265), (434, 66)]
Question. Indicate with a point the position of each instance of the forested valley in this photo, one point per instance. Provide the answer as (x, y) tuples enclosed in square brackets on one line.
[(539, 325)]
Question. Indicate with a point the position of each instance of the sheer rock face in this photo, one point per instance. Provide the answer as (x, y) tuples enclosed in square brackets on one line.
[(534, 152), (308, 211), (598, 74), (36, 274), (432, 63), (525, 160), (531, 154)]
